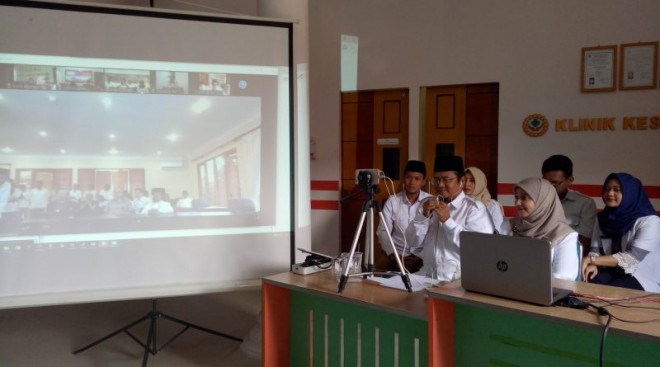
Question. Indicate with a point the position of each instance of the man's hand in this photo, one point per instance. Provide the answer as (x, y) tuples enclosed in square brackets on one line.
[(429, 206), (443, 211)]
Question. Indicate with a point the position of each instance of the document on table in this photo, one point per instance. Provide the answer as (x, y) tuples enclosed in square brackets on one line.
[(417, 282)]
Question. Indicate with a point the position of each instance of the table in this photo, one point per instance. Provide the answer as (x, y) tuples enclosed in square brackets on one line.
[(307, 323), (471, 329)]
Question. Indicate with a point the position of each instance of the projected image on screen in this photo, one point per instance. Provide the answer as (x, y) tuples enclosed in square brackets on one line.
[(121, 158)]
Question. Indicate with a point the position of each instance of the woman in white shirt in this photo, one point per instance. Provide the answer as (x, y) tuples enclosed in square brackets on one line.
[(626, 240), (540, 215), (476, 187)]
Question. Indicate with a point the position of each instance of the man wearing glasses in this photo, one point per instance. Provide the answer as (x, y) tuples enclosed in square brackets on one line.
[(580, 210), (446, 217)]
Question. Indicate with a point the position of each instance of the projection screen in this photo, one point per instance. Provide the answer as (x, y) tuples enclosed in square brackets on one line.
[(144, 153)]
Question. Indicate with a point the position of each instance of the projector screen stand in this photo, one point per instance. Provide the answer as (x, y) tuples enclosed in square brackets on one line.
[(151, 345)]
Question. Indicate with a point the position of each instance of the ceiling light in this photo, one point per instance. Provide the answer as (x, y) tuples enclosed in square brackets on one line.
[(172, 137), (7, 150), (43, 133), (201, 106), (113, 151)]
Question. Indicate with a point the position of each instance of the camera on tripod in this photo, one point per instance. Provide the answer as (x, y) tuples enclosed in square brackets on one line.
[(367, 178)]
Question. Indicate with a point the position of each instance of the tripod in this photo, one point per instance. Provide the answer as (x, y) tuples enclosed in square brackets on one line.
[(367, 211), (150, 345)]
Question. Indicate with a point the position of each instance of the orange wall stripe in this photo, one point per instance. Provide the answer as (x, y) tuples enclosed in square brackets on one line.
[(325, 185), (325, 205)]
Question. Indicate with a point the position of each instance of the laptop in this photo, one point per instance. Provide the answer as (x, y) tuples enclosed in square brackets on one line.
[(518, 268)]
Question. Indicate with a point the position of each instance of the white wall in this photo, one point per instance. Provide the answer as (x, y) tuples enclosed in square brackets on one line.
[(532, 48)]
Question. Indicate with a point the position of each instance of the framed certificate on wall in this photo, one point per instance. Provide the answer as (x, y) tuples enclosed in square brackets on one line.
[(598, 69), (639, 66)]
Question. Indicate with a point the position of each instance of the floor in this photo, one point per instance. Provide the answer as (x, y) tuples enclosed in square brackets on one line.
[(47, 336)]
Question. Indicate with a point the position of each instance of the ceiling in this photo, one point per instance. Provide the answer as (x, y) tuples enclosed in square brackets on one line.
[(55, 123)]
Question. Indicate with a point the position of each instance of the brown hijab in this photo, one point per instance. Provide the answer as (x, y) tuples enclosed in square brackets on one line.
[(547, 220), (480, 189)]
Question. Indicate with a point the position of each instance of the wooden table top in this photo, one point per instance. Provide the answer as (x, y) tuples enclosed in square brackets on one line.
[(357, 291)]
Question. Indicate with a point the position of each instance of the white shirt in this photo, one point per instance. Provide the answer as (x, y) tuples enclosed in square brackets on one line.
[(637, 244), (566, 255), (105, 196), (495, 211), (398, 212), (75, 195), (5, 194), (38, 198), (441, 252), (140, 203), (567, 259), (185, 203), (161, 207)]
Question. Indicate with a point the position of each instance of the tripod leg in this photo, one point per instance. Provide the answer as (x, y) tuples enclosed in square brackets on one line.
[(404, 274), (150, 339), (369, 242), (201, 328), (99, 341), (344, 274)]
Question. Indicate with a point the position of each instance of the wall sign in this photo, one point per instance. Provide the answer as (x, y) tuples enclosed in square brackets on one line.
[(535, 125)]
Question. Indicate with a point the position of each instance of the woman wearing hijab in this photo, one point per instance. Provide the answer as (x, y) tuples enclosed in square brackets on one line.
[(540, 215), (475, 187), (625, 246)]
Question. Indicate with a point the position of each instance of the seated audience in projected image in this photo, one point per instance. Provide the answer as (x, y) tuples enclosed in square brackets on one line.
[(399, 211), (540, 215), (105, 196), (580, 210), (625, 244), (20, 197), (88, 206), (90, 190), (476, 188), (6, 188), (39, 197), (159, 204), (141, 199), (75, 194), (120, 205), (61, 206), (185, 201)]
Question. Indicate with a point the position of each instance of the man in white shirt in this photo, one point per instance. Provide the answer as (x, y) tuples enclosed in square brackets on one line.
[(75, 194), (185, 201), (5, 189), (399, 210), (446, 218), (579, 209), (159, 205), (39, 198), (105, 196)]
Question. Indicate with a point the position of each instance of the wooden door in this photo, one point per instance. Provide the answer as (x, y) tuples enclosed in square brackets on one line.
[(374, 135), (462, 120), (444, 123)]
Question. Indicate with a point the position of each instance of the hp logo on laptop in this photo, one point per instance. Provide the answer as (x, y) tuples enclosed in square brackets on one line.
[(502, 266)]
